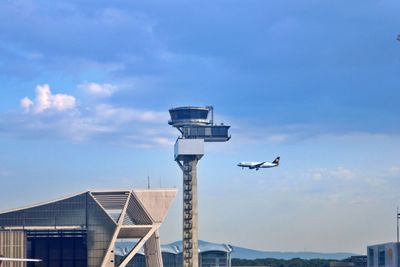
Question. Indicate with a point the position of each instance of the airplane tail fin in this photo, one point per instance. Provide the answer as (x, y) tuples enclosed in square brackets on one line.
[(276, 161)]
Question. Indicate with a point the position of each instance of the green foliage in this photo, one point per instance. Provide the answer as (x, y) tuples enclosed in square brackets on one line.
[(296, 262)]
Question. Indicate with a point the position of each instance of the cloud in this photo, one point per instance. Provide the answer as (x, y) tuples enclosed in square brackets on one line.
[(45, 100), (339, 173), (121, 114), (343, 185), (5, 173), (394, 170), (138, 45), (99, 90), (252, 133), (344, 173), (163, 141), (26, 104), (278, 138), (45, 117), (103, 123)]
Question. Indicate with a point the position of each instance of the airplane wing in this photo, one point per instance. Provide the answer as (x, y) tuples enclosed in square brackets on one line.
[(258, 165)]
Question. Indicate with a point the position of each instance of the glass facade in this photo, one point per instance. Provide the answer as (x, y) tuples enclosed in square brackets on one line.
[(57, 248), (169, 259), (67, 212), (80, 212), (100, 232), (214, 259)]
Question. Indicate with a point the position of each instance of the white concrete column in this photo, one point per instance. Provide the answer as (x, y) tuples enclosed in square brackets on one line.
[(152, 250)]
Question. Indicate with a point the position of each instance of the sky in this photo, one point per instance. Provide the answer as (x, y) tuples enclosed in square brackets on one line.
[(86, 87)]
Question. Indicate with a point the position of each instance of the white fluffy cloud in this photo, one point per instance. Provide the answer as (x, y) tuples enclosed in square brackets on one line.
[(100, 90), (45, 100)]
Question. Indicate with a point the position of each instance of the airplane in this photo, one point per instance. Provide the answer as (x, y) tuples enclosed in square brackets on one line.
[(258, 165), (16, 259)]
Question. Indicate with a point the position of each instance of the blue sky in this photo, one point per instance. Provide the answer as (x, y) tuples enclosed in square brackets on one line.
[(86, 86)]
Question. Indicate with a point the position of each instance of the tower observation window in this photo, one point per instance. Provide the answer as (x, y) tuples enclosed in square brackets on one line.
[(187, 114), (205, 131), (219, 131)]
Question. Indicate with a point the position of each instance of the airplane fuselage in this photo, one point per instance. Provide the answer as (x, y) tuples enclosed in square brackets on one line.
[(254, 165), (257, 165)]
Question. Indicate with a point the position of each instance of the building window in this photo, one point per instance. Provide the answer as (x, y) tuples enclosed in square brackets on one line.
[(371, 257), (381, 257), (214, 259)]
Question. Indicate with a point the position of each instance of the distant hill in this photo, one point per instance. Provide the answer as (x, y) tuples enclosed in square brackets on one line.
[(251, 254)]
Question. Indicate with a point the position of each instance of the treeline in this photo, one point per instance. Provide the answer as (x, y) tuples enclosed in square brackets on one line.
[(296, 262)]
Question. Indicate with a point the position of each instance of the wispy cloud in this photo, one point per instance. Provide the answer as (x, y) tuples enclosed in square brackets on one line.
[(5, 173), (99, 90), (338, 173), (394, 170), (342, 185), (254, 133), (58, 115), (107, 112)]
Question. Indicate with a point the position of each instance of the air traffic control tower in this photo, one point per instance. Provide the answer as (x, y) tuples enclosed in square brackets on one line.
[(196, 125)]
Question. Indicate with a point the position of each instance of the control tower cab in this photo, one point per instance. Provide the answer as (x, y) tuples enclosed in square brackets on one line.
[(198, 123), (182, 116)]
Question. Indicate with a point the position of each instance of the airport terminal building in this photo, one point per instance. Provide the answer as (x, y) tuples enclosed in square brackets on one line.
[(82, 230), (210, 255)]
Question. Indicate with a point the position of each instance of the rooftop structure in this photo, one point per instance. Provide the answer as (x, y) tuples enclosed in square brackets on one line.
[(82, 229)]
